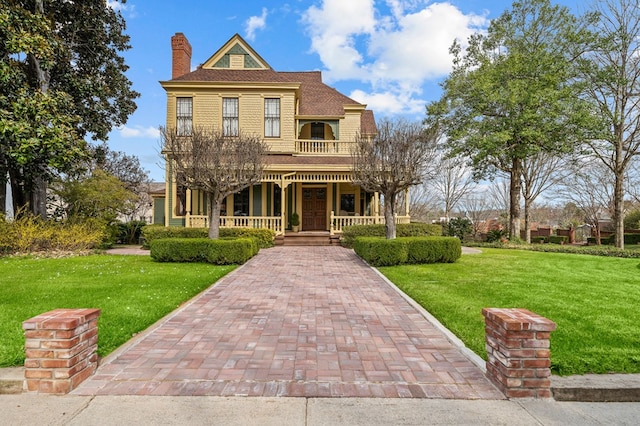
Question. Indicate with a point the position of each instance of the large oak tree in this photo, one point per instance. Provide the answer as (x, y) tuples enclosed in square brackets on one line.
[(512, 94)]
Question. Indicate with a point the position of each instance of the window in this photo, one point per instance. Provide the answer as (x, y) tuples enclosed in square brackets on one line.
[(241, 203), (272, 118), (317, 131), (348, 203), (230, 116), (184, 116), (181, 195)]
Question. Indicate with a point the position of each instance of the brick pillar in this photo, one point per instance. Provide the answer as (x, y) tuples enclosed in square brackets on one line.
[(517, 342), (60, 349), (181, 55)]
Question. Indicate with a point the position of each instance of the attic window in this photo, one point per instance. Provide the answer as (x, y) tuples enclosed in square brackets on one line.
[(236, 61)]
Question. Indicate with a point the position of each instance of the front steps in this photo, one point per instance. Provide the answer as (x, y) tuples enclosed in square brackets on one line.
[(307, 238)]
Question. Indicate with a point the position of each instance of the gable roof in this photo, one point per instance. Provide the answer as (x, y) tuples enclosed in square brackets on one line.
[(236, 46)]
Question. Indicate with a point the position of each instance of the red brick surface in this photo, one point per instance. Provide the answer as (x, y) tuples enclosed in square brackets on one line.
[(515, 362), (303, 321)]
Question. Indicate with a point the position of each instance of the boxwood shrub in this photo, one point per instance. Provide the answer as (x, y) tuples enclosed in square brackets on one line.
[(416, 229), (558, 239), (539, 240), (219, 252), (264, 237), (433, 249), (379, 251)]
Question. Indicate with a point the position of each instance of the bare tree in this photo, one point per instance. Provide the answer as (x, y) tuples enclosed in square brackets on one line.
[(423, 205), (216, 164), (590, 187), (453, 180), (397, 158), (539, 173), (613, 77), (477, 207)]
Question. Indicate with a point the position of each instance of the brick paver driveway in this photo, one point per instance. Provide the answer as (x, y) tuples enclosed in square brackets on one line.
[(294, 321)]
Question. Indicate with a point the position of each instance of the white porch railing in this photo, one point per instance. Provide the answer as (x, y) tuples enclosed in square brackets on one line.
[(270, 222), (314, 146), (339, 222)]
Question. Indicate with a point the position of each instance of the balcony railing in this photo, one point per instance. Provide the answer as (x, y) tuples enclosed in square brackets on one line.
[(275, 222), (339, 222), (269, 222), (323, 147)]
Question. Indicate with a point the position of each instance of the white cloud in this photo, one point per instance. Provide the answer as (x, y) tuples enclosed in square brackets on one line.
[(255, 23), (139, 132), (389, 103), (121, 7), (394, 52)]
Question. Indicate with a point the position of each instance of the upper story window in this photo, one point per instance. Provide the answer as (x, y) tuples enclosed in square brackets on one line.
[(184, 116), (230, 116), (317, 131), (272, 118)]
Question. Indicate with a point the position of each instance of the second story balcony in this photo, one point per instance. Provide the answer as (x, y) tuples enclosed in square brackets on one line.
[(323, 147)]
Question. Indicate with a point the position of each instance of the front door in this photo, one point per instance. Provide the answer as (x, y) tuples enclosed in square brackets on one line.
[(314, 209)]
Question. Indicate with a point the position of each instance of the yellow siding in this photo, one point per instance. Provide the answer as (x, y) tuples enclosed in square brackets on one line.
[(350, 126)]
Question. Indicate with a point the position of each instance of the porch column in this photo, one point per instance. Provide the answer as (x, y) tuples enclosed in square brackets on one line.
[(283, 200), (187, 208), (376, 205), (406, 202)]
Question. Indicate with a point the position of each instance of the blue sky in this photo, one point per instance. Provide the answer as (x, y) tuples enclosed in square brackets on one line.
[(388, 54)]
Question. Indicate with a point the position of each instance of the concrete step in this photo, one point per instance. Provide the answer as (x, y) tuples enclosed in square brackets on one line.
[(307, 238), (11, 380), (597, 388)]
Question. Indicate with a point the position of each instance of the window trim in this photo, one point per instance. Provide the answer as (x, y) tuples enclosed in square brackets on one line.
[(184, 116), (231, 119), (272, 122)]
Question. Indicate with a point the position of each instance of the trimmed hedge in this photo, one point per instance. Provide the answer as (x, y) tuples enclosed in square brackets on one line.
[(379, 251), (416, 229), (219, 252), (539, 240), (558, 239), (264, 237)]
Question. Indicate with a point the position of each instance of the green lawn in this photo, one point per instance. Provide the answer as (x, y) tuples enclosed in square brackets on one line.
[(594, 300), (132, 291)]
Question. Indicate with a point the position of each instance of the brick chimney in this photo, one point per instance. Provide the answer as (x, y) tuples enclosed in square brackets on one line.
[(181, 58)]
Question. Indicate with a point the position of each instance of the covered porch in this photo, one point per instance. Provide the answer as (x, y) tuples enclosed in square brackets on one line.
[(319, 189)]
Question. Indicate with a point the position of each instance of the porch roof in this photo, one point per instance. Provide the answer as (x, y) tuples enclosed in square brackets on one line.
[(310, 160)]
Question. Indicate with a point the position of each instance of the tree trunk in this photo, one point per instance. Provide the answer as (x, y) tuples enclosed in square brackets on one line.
[(389, 219), (38, 198), (18, 193), (515, 189), (215, 202), (3, 193), (618, 209), (527, 219)]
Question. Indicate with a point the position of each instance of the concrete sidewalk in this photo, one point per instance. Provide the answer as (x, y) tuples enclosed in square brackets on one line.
[(31, 409)]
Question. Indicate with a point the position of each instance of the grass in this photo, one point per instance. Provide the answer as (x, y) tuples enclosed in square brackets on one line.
[(132, 291), (594, 300)]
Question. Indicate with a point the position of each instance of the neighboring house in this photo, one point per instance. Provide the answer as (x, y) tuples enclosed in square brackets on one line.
[(308, 126)]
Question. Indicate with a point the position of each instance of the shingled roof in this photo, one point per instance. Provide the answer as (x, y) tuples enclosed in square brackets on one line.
[(316, 98)]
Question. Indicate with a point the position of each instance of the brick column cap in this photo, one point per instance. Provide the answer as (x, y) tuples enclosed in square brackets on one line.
[(518, 319), (61, 319)]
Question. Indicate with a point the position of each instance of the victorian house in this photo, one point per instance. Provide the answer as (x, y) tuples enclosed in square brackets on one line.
[(308, 126)]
